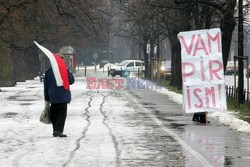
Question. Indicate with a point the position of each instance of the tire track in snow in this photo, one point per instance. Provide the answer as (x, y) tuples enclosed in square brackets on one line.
[(86, 114), (115, 142)]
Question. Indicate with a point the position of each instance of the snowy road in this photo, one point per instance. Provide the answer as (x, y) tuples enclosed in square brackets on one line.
[(112, 128)]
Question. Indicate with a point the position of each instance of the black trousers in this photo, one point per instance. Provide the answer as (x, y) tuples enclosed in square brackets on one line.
[(58, 113)]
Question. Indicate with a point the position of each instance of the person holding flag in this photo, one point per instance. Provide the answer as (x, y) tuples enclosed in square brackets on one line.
[(57, 90)]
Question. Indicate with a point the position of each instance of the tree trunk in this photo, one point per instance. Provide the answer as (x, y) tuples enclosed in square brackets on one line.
[(145, 41), (152, 42), (158, 59), (227, 28), (6, 68), (176, 78)]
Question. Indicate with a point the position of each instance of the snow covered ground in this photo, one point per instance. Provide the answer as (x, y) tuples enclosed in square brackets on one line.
[(24, 141), (102, 127)]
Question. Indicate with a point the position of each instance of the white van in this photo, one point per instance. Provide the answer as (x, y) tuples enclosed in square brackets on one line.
[(127, 66)]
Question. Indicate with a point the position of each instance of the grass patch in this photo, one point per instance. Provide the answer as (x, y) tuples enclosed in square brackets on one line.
[(167, 85), (243, 110)]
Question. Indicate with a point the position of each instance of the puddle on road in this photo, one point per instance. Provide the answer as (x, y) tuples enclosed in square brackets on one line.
[(152, 108), (177, 126), (135, 95), (228, 160), (9, 115), (173, 114), (18, 98), (167, 119), (25, 104), (157, 111), (31, 87), (12, 98), (146, 104)]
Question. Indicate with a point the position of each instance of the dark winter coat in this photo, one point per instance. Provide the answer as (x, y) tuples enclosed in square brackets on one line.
[(54, 93)]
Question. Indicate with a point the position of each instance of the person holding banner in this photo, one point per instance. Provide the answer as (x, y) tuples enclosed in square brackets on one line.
[(202, 73), (58, 96)]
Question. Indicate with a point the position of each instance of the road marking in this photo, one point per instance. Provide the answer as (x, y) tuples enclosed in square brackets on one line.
[(202, 160)]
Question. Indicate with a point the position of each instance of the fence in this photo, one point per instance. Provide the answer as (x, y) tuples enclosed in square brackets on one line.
[(230, 92)]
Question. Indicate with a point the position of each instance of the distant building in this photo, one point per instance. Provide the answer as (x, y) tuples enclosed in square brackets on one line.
[(70, 57)]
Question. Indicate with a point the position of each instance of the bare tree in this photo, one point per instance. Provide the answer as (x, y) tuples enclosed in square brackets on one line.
[(173, 16), (52, 23)]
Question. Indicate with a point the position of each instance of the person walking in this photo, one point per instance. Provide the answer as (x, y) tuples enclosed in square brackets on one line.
[(59, 97)]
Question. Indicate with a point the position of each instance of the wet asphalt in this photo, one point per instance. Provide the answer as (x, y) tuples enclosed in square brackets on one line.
[(167, 137), (217, 144)]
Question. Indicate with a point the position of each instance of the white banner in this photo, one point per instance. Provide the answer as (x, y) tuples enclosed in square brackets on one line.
[(202, 71)]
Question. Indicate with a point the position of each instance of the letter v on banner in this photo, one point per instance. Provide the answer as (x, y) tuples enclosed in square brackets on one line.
[(202, 71)]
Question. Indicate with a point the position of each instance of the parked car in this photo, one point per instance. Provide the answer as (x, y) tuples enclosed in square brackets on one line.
[(230, 68), (125, 67)]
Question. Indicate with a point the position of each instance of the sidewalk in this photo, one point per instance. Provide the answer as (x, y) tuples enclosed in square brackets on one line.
[(215, 143)]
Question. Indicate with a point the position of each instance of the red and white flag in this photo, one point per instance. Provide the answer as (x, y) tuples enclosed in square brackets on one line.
[(58, 66)]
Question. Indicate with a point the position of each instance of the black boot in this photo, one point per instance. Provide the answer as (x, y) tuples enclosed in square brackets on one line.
[(59, 134), (196, 117), (200, 117)]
